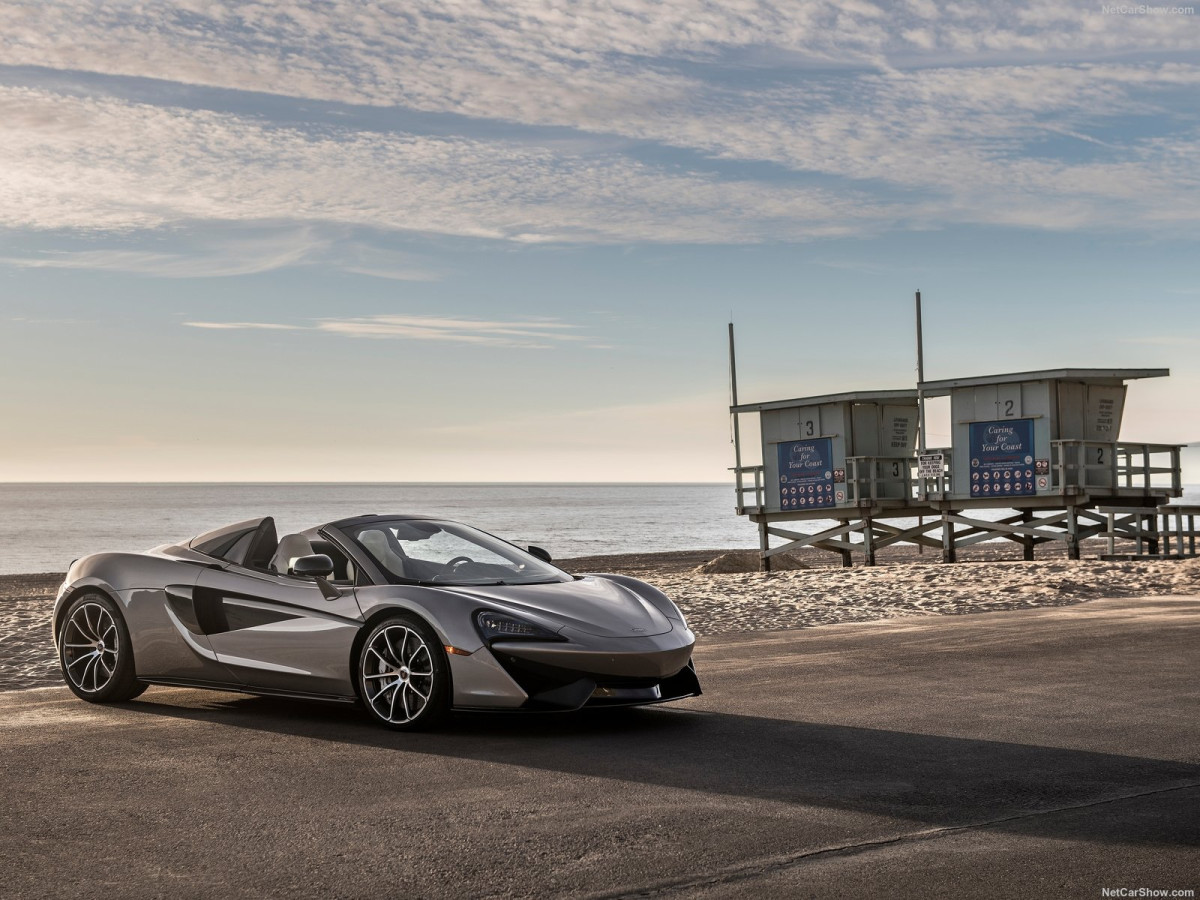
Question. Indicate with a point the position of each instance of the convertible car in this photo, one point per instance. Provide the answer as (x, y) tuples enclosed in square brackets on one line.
[(410, 616)]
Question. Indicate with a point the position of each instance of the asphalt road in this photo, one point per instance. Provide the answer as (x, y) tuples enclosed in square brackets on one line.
[(1047, 753)]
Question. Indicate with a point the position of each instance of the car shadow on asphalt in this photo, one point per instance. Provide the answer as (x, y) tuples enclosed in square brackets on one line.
[(936, 781)]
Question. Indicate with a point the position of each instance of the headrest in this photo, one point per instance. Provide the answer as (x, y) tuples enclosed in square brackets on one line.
[(291, 548)]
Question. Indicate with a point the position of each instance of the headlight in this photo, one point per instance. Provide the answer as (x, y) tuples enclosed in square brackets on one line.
[(496, 626)]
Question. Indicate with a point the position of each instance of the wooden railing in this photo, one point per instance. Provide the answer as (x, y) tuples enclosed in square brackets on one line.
[(873, 478), (1096, 465), (1162, 531), (755, 488), (1179, 529), (1076, 467)]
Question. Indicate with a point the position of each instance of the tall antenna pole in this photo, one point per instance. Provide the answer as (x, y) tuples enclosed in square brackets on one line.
[(737, 435), (920, 379)]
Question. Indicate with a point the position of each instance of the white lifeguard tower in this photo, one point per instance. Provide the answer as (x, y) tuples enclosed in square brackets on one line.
[(1044, 444), (832, 451), (1045, 440)]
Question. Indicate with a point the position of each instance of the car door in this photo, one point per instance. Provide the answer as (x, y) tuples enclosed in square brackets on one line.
[(278, 632)]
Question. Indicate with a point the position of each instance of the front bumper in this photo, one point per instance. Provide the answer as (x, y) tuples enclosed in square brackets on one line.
[(656, 657), (583, 671)]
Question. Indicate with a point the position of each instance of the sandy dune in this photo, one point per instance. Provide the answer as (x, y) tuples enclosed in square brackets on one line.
[(722, 603)]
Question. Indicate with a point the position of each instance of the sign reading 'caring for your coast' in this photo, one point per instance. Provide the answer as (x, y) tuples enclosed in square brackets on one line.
[(805, 474), (1002, 458)]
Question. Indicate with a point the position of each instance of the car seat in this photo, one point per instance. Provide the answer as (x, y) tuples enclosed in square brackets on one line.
[(380, 547), (291, 548)]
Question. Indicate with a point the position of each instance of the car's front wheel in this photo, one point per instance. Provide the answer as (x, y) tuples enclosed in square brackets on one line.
[(403, 676), (95, 652)]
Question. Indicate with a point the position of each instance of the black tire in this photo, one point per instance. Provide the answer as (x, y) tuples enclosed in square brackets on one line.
[(396, 686), (95, 652)]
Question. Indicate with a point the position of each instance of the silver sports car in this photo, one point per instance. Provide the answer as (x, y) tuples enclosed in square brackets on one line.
[(410, 616)]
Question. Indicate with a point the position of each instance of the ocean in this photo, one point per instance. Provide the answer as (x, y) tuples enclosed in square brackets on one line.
[(45, 526)]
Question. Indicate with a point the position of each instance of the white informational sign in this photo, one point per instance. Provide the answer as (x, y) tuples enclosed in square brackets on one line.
[(930, 465), (1105, 404), (899, 434)]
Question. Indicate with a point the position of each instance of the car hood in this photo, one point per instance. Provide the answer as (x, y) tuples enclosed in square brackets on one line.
[(589, 604)]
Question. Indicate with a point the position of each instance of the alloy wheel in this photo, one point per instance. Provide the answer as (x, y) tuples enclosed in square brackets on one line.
[(397, 674), (91, 645)]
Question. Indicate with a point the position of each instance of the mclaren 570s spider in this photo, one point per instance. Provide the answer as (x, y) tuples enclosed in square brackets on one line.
[(412, 617)]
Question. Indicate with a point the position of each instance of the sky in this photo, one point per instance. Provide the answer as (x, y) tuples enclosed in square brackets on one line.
[(481, 241)]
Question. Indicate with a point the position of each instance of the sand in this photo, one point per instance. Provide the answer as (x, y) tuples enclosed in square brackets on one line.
[(26, 646), (905, 584)]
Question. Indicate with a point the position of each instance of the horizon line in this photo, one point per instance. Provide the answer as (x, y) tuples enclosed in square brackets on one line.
[(364, 483)]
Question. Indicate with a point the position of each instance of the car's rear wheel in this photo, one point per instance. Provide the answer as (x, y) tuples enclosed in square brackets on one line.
[(403, 676), (95, 652)]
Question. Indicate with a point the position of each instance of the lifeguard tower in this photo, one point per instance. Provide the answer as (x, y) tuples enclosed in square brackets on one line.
[(833, 456), (1046, 441), (1044, 444), (834, 450)]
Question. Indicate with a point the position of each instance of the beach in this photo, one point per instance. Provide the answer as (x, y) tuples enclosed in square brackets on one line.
[(815, 593)]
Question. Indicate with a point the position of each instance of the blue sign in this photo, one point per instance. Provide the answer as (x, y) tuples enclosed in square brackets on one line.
[(806, 474), (1002, 463)]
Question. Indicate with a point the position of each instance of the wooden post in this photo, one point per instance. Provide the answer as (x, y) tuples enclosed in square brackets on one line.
[(949, 553), (736, 436), (869, 541), (733, 402), (921, 445), (847, 559), (1072, 533), (1027, 540), (764, 544)]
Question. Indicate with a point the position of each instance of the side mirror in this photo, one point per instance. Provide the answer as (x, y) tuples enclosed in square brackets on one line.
[(316, 566), (539, 553)]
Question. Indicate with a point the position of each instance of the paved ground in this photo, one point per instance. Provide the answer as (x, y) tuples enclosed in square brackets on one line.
[(1049, 753)]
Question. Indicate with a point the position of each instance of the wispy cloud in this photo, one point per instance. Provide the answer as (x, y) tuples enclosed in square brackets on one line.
[(514, 59), (244, 326), (469, 331), (247, 255), (917, 114), (167, 265), (30, 320), (524, 333), (235, 250), (233, 169)]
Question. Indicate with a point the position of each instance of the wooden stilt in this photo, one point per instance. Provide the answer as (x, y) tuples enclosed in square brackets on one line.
[(1029, 526), (949, 553), (1072, 533)]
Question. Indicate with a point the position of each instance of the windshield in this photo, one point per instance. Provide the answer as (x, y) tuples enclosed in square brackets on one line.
[(449, 553)]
